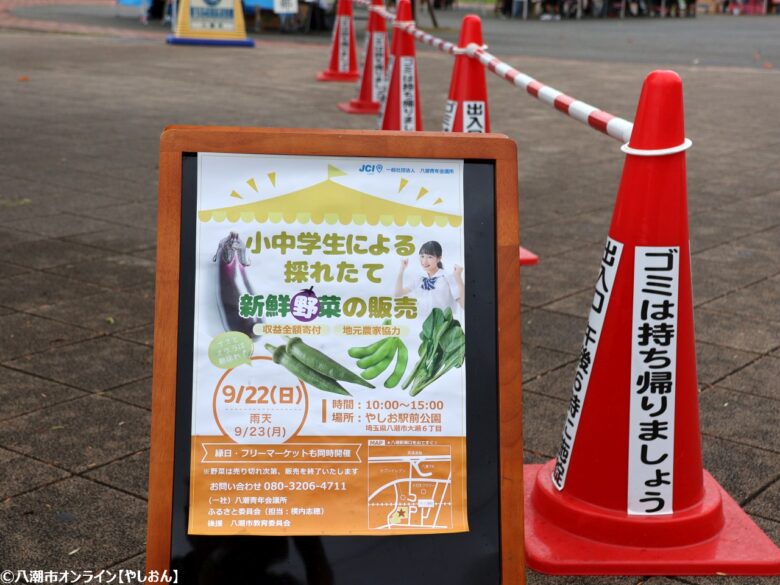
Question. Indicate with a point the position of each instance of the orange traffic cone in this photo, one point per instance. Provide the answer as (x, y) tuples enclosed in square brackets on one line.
[(374, 67), (627, 493), (527, 258), (401, 104), (343, 57), (467, 105)]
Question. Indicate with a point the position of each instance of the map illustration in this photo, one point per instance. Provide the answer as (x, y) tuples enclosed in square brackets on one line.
[(410, 487)]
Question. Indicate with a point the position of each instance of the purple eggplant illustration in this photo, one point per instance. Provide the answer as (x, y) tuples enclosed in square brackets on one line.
[(233, 284)]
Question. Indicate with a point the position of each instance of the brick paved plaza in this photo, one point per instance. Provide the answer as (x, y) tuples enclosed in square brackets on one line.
[(83, 106)]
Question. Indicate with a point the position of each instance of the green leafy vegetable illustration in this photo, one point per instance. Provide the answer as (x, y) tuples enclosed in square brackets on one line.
[(443, 348)]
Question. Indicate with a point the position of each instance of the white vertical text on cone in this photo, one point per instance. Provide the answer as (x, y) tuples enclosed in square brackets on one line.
[(345, 24), (408, 105), (653, 376), (474, 117), (610, 261), (377, 65)]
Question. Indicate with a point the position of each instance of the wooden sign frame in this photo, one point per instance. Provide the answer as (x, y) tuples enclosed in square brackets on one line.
[(498, 149)]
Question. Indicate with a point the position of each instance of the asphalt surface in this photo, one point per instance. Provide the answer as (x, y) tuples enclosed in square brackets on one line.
[(707, 40), (82, 115)]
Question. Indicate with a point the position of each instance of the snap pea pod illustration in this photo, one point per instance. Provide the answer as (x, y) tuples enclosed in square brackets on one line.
[(322, 363), (304, 372)]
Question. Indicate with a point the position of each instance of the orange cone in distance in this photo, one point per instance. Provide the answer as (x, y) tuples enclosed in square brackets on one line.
[(401, 106), (627, 493), (527, 258), (374, 67), (343, 64), (467, 104)]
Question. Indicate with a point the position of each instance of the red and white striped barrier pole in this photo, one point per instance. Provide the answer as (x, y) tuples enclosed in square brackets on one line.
[(604, 122), (600, 120)]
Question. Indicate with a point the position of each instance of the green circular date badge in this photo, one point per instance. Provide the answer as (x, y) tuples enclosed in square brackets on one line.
[(231, 349)]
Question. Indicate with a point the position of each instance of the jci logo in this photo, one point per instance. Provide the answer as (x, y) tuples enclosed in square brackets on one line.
[(370, 169)]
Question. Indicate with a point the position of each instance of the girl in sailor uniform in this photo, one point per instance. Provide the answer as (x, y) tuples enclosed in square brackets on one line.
[(432, 289)]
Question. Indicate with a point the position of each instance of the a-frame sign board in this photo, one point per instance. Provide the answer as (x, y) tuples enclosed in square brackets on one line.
[(337, 383)]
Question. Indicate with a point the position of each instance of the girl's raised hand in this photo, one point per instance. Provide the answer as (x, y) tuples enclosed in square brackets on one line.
[(457, 269), (404, 263)]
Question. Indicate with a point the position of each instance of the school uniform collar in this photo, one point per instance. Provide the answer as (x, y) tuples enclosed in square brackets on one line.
[(429, 282)]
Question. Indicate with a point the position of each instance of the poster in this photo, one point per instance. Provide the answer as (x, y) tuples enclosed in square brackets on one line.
[(329, 393)]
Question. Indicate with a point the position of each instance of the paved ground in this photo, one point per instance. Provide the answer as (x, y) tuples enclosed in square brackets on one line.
[(704, 41), (78, 180)]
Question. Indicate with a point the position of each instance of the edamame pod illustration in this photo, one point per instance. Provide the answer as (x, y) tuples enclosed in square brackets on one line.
[(387, 348), (400, 365), (361, 352)]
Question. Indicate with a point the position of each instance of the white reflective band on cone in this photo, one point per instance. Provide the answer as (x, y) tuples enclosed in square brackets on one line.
[(659, 151)]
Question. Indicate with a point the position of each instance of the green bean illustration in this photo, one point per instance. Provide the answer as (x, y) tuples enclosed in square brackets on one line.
[(375, 370), (387, 348), (361, 352), (322, 363), (400, 365), (304, 372)]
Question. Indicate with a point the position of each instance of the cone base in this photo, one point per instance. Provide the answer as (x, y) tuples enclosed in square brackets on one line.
[(174, 40), (739, 548), (359, 107), (336, 76)]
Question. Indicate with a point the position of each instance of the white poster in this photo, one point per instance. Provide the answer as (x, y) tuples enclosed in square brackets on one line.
[(329, 388)]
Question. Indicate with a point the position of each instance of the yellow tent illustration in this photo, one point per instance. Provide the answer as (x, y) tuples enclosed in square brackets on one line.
[(330, 202)]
